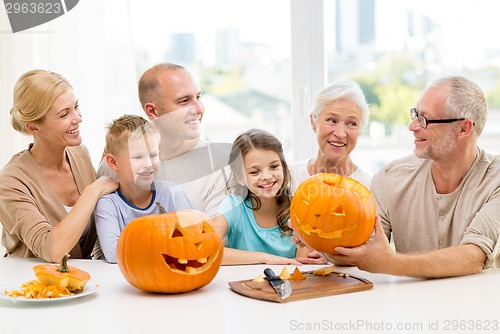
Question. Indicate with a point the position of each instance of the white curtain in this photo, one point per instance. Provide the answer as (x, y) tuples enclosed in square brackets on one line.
[(91, 46)]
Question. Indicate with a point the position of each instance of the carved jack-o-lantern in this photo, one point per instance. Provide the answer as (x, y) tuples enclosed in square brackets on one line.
[(330, 210), (170, 252)]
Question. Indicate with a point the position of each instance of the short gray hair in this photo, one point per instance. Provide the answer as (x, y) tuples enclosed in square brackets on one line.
[(465, 99), (342, 89)]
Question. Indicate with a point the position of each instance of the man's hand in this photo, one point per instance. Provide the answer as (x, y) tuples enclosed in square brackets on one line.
[(374, 256)]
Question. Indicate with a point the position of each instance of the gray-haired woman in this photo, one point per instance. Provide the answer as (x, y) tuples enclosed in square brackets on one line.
[(339, 114)]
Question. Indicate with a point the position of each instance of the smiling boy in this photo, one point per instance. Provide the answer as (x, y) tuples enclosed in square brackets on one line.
[(133, 154)]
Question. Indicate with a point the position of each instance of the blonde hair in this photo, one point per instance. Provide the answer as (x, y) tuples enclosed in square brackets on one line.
[(127, 127), (34, 93)]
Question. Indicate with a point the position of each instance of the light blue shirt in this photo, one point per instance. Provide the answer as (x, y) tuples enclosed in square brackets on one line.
[(244, 233), (113, 212)]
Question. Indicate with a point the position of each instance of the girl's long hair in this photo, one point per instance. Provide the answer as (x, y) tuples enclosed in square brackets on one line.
[(260, 139)]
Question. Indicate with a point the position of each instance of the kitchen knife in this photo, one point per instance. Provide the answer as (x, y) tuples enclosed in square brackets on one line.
[(282, 287)]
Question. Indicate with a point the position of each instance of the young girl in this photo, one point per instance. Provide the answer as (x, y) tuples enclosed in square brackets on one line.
[(254, 215)]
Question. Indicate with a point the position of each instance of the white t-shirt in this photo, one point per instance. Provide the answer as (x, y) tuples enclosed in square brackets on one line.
[(299, 173), (201, 174)]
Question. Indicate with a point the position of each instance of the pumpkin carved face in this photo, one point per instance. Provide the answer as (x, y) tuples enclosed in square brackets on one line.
[(330, 210), (170, 253)]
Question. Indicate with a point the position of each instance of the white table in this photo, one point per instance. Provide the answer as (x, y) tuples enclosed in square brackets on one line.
[(420, 306)]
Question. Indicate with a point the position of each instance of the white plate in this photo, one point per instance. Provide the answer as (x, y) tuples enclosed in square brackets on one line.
[(88, 290)]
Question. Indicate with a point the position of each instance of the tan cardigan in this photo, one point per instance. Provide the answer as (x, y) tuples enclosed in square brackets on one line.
[(29, 209)]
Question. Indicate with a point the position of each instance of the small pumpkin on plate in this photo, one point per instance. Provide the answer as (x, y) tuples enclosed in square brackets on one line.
[(62, 275)]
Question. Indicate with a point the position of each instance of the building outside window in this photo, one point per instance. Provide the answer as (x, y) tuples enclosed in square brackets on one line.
[(242, 55)]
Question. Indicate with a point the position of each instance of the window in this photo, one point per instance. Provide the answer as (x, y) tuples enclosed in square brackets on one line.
[(393, 47), (258, 69), (260, 62), (238, 51)]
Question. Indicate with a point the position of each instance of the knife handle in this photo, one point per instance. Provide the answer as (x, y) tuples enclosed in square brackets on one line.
[(270, 275)]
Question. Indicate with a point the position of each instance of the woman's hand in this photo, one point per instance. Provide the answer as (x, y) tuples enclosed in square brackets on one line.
[(314, 257), (105, 185), (71, 227), (305, 254), (296, 240), (233, 256), (274, 259)]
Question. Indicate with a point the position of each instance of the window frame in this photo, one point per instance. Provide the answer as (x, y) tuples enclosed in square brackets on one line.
[(309, 71)]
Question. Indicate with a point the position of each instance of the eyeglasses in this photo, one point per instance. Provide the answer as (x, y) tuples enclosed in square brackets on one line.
[(423, 122)]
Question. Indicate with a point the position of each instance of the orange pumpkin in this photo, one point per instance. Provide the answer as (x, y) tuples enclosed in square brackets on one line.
[(169, 252), (62, 275), (330, 210)]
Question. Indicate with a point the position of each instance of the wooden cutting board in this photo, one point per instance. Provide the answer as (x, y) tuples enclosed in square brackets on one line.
[(313, 286)]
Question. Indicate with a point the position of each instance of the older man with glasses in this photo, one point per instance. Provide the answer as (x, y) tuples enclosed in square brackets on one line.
[(442, 204), (424, 121)]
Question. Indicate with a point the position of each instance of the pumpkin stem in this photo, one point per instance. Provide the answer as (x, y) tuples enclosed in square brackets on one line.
[(63, 266), (161, 209)]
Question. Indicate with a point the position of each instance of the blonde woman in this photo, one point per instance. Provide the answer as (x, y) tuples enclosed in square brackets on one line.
[(48, 191)]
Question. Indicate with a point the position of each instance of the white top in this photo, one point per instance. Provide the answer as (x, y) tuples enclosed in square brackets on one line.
[(299, 173), (417, 305), (201, 174)]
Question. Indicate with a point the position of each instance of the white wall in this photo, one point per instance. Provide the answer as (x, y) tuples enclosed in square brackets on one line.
[(96, 58), (90, 46)]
